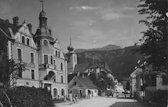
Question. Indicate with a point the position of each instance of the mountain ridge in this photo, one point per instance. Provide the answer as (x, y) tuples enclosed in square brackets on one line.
[(104, 48), (121, 61)]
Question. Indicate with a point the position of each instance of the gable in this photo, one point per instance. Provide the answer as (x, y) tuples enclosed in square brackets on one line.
[(78, 83), (24, 31)]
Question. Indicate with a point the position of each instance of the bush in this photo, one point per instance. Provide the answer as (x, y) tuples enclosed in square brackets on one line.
[(159, 96), (30, 97)]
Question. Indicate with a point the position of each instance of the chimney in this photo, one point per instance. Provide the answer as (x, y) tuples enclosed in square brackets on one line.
[(16, 21), (30, 27)]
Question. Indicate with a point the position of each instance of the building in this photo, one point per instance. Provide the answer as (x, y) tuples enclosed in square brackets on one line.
[(82, 86), (71, 59), (52, 63), (45, 62), (153, 81)]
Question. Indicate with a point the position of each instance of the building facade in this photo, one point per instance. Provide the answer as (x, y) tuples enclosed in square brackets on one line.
[(44, 60)]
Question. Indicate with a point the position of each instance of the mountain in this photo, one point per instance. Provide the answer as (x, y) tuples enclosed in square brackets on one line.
[(105, 48), (121, 61)]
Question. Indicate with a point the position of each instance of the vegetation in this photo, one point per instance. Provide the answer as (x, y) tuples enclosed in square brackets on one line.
[(9, 69), (28, 97), (102, 80), (155, 95), (154, 45)]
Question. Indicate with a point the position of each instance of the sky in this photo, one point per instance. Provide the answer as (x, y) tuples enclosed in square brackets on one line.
[(89, 23)]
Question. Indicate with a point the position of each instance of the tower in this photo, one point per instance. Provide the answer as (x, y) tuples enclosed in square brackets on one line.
[(72, 58)]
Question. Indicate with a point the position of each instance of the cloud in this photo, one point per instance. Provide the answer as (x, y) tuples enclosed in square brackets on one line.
[(112, 14), (84, 8)]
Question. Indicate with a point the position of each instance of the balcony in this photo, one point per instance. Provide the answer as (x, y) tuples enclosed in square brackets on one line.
[(47, 66), (32, 65)]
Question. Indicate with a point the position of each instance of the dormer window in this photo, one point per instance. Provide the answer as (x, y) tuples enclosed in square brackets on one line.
[(45, 42), (23, 39), (27, 41)]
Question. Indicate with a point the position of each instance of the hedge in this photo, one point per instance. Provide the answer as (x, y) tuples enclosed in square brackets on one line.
[(30, 97)]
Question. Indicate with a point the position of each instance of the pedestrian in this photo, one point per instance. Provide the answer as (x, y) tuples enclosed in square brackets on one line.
[(74, 99), (70, 97)]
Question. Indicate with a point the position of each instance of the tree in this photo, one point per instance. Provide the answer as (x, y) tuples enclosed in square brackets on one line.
[(102, 80), (9, 69), (155, 40)]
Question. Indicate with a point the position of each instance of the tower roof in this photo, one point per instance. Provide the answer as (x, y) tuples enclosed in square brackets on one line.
[(70, 47), (42, 14)]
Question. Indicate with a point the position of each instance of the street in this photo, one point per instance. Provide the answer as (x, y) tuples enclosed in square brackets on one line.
[(106, 102)]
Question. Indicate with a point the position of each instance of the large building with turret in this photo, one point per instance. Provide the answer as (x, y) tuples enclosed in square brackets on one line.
[(42, 55)]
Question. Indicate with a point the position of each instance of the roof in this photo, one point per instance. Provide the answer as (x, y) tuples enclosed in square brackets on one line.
[(87, 82), (81, 67), (5, 25), (70, 77)]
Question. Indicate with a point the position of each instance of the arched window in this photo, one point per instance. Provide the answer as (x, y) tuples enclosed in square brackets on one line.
[(55, 92), (23, 39), (45, 42), (62, 92), (27, 41), (61, 79)]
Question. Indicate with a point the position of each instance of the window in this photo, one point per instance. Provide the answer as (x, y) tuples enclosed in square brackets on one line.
[(55, 53), (23, 39), (32, 57), (55, 92), (54, 62), (54, 79), (74, 59), (61, 66), (45, 59), (19, 54), (32, 74), (62, 92), (27, 41), (164, 80), (58, 54), (45, 42), (51, 60), (61, 79)]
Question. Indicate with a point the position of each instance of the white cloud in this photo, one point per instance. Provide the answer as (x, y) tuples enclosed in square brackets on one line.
[(84, 8), (113, 14)]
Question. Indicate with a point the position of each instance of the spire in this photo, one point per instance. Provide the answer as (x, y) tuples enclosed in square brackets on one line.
[(42, 4), (70, 47)]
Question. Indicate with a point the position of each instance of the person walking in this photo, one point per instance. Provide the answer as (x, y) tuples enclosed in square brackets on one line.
[(70, 97)]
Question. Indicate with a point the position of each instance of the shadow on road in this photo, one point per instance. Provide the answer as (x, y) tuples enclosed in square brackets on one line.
[(124, 98), (132, 104)]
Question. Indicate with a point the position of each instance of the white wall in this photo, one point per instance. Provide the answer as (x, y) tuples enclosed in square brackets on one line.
[(159, 84)]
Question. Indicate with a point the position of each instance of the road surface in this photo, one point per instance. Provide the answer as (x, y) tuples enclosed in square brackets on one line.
[(106, 102)]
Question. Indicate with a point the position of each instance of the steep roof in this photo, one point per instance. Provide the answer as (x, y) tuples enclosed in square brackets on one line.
[(81, 67), (87, 82), (70, 77), (5, 25)]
